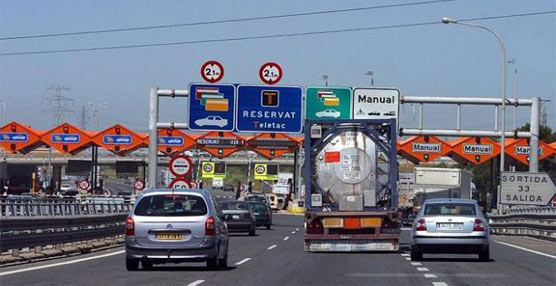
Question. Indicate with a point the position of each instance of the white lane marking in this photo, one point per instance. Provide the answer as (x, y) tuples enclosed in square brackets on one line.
[(243, 261), (271, 247), (429, 275), (405, 254), (195, 283), (526, 249), (293, 231), (61, 263), (297, 229), (439, 284), (422, 269), (408, 258), (286, 238), (416, 263)]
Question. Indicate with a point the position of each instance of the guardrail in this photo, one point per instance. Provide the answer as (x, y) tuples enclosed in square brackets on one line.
[(33, 207), (537, 222)]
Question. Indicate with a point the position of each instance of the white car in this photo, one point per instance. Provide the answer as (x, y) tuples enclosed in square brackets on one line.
[(328, 113), (212, 121)]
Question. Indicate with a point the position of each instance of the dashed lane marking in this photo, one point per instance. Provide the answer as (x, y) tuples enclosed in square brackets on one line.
[(297, 229), (416, 263), (439, 284), (429, 275), (195, 283), (286, 238), (293, 232), (405, 254), (422, 269), (408, 258), (61, 263), (271, 247), (243, 261), (526, 249)]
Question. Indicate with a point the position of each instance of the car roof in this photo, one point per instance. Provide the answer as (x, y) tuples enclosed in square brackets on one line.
[(163, 191), (450, 200)]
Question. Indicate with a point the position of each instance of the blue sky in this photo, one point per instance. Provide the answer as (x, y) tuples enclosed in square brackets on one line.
[(433, 60)]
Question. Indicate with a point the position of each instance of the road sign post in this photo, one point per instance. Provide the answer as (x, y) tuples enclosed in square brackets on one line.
[(327, 103), (525, 188), (275, 109), (211, 107)]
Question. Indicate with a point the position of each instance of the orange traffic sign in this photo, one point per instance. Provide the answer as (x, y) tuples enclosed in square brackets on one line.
[(476, 150), (66, 138), (16, 137), (424, 148)]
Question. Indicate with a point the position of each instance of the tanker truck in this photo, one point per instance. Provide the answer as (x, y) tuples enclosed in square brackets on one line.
[(351, 182)]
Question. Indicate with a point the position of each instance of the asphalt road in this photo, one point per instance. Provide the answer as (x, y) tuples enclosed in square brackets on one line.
[(276, 257)]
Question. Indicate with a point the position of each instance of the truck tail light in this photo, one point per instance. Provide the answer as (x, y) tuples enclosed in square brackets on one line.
[(478, 225), (210, 228), (315, 227), (421, 225), (129, 227)]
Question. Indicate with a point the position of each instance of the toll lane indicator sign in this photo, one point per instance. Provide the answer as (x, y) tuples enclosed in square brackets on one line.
[(276, 109), (376, 103), (211, 107), (328, 103)]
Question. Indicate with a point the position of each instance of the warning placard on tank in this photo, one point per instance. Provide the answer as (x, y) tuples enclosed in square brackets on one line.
[(351, 159), (350, 167)]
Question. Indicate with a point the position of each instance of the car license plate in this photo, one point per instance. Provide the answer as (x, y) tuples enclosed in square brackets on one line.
[(449, 226), (235, 217), (170, 236)]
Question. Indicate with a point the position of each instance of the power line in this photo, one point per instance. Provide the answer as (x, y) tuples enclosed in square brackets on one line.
[(266, 36), (226, 21)]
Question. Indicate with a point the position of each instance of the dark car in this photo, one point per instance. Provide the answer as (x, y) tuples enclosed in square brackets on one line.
[(238, 216), (257, 198), (228, 188), (409, 219), (263, 214)]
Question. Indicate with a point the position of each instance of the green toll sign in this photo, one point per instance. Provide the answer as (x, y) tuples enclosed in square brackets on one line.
[(328, 103)]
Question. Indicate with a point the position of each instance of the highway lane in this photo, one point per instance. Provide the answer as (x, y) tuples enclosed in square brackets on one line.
[(271, 259)]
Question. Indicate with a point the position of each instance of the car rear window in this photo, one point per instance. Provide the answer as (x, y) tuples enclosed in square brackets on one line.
[(171, 205), (451, 209), (234, 206), (258, 207)]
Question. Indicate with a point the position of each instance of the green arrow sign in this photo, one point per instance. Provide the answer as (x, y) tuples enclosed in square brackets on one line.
[(328, 103)]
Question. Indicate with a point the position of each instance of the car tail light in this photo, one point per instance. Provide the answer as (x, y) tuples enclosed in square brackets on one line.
[(315, 227), (247, 216), (129, 227), (421, 225), (478, 226), (210, 228)]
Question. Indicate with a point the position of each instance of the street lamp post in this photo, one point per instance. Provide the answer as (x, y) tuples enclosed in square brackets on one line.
[(325, 78), (512, 61), (447, 20), (371, 74)]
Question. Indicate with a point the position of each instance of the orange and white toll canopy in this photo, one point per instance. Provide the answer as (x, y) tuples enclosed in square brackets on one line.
[(220, 144), (119, 139), (476, 150), (66, 138), (16, 137), (424, 148), (520, 150)]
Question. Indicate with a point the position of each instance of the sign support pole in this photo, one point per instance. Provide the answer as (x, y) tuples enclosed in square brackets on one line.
[(534, 130), (153, 137)]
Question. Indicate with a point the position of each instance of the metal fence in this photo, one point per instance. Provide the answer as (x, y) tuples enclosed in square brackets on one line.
[(538, 222)]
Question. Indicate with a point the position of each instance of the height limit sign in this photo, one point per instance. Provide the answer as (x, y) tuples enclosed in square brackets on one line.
[(212, 71), (270, 73)]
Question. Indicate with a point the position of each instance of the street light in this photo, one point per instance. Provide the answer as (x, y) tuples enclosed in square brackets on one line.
[(325, 78), (371, 74), (512, 61), (447, 20)]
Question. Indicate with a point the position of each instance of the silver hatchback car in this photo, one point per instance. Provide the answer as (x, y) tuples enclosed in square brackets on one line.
[(450, 226), (176, 225)]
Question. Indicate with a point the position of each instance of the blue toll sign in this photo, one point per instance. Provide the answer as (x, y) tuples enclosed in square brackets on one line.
[(170, 140), (14, 137), (211, 107), (65, 138), (276, 109), (117, 139)]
